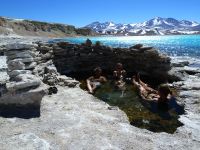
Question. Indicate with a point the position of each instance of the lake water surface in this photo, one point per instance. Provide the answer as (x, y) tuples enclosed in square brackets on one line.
[(175, 45)]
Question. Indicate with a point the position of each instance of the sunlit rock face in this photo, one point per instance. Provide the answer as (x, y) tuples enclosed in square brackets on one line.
[(30, 72), (22, 84)]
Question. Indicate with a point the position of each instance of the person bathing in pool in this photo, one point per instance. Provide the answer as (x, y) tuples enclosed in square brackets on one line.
[(119, 74), (161, 100), (96, 80), (144, 89)]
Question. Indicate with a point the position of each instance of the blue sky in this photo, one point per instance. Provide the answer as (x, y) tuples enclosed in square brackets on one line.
[(83, 12)]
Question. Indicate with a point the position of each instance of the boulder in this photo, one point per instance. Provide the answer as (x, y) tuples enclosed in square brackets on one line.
[(71, 83), (63, 78), (50, 75), (146, 48), (39, 69), (33, 96), (38, 59), (137, 46), (26, 60), (44, 49), (15, 73), (31, 65), (191, 70), (51, 69), (46, 56), (16, 65), (16, 54), (180, 64), (19, 46), (24, 81), (67, 81), (63, 44), (50, 79)]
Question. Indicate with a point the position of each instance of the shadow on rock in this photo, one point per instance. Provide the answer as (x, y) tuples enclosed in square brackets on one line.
[(25, 112)]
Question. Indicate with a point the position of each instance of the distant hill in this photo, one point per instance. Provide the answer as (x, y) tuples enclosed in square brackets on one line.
[(9, 26), (155, 26)]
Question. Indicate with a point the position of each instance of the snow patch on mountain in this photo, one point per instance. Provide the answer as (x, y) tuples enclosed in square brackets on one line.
[(155, 26)]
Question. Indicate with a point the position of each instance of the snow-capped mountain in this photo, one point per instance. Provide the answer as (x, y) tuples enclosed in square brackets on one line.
[(155, 26)]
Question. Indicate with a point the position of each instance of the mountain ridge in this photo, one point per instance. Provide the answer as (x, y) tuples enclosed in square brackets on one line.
[(155, 26), (24, 27)]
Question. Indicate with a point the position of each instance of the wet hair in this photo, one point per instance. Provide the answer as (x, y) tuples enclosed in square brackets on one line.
[(164, 89), (97, 69), (119, 64)]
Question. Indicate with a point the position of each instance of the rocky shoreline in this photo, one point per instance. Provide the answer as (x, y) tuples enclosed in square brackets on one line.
[(73, 119)]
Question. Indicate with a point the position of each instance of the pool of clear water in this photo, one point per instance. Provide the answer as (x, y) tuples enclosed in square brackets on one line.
[(138, 115)]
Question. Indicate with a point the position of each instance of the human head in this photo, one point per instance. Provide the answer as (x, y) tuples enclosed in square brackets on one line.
[(164, 90), (119, 66), (97, 71)]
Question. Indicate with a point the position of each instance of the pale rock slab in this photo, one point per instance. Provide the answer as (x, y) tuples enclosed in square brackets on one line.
[(15, 73), (16, 65), (19, 46), (30, 97), (24, 81)]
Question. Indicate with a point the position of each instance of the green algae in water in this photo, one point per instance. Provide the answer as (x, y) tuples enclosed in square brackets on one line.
[(138, 115)]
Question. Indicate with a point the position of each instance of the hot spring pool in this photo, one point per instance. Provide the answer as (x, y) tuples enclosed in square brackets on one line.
[(138, 115)]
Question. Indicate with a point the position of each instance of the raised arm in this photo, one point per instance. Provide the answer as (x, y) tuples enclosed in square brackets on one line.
[(89, 86)]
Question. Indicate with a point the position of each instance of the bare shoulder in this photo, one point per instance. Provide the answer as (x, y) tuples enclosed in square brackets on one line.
[(90, 78), (103, 77)]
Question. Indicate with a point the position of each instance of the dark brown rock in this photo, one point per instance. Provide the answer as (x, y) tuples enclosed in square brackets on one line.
[(137, 46), (82, 59)]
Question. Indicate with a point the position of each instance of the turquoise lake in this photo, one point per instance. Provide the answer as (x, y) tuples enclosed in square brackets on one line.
[(174, 45)]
